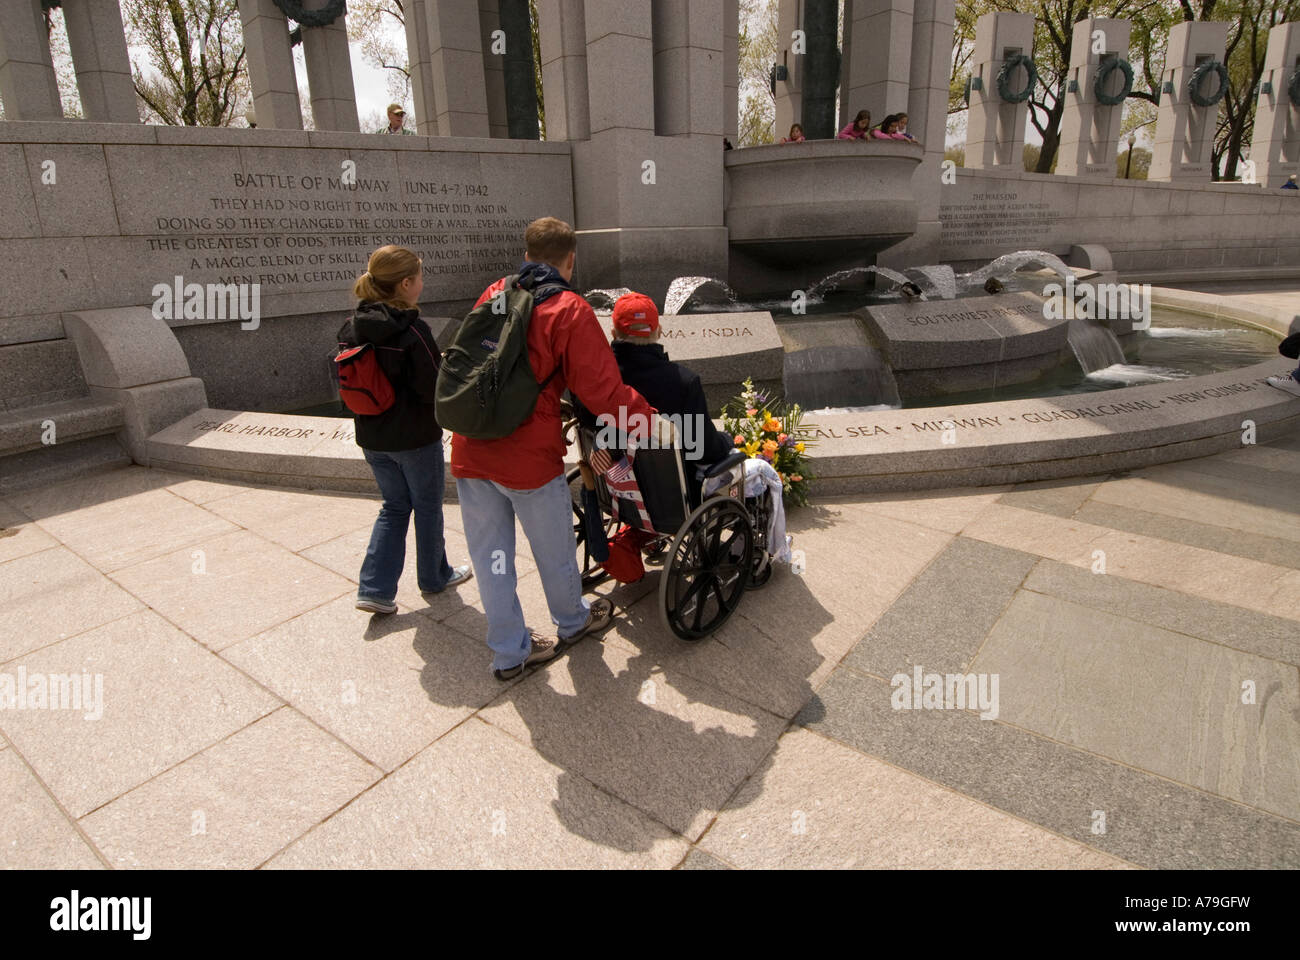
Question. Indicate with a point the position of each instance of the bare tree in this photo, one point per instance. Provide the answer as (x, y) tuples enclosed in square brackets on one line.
[(378, 28), (759, 45), (195, 52)]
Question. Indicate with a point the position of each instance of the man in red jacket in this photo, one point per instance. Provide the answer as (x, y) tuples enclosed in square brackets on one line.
[(523, 474)]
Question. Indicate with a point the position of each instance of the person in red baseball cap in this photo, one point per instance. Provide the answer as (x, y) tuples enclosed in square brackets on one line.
[(671, 388), (636, 318)]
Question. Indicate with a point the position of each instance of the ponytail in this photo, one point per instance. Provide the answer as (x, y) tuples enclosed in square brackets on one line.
[(388, 267)]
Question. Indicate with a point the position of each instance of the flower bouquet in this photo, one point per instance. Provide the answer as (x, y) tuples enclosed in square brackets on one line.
[(765, 428)]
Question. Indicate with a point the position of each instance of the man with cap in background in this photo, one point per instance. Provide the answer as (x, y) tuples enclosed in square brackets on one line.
[(396, 120)]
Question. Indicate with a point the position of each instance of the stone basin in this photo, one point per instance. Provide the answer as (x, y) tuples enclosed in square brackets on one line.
[(806, 203)]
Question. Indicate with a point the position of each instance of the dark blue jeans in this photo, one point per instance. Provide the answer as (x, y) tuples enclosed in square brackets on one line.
[(409, 480)]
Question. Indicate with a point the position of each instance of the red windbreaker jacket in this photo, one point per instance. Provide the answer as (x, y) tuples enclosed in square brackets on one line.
[(563, 333)]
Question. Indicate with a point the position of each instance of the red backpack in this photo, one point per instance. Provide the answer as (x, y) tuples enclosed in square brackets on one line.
[(362, 384)]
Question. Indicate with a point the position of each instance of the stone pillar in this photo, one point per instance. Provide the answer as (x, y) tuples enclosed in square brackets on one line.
[(494, 67), (789, 92), (649, 208), (1090, 128), (98, 44), (562, 31), (416, 17), (28, 85), (878, 54), (1275, 151), (731, 70), (688, 68), (456, 53), (270, 65), (329, 74), (519, 74), (1185, 131), (927, 120), (995, 132)]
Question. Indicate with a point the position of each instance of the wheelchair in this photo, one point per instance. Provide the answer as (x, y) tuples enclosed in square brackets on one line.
[(714, 547)]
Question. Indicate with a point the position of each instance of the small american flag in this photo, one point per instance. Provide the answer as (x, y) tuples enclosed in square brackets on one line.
[(622, 485), (600, 461)]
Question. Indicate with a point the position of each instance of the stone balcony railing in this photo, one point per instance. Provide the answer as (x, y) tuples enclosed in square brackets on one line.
[(821, 201)]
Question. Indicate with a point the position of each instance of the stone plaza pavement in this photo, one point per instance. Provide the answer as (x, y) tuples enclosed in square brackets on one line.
[(251, 717)]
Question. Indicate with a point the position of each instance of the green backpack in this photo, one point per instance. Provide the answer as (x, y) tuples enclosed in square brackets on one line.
[(486, 387)]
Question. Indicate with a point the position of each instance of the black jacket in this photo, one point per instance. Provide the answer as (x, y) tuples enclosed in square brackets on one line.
[(671, 389), (410, 359)]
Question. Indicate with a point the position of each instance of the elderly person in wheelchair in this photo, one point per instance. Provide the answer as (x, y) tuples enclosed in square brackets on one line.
[(713, 517)]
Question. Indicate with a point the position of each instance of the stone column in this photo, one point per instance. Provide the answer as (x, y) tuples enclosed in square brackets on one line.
[(270, 65), (459, 85), (519, 74), (927, 120), (688, 68), (562, 31), (98, 44), (28, 86), (731, 70), (494, 67), (1275, 151), (878, 54), (417, 51), (1090, 128), (1185, 131), (649, 208), (329, 74), (995, 132)]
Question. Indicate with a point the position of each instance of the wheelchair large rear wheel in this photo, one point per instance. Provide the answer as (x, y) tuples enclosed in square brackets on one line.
[(593, 574), (707, 569)]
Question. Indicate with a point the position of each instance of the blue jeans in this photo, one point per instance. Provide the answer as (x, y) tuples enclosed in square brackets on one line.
[(488, 511), (409, 480)]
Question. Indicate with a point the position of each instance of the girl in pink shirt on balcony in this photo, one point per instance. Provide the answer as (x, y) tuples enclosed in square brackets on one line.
[(796, 135), (859, 129), (886, 129)]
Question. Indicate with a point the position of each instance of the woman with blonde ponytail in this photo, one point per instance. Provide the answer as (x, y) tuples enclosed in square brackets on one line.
[(403, 445)]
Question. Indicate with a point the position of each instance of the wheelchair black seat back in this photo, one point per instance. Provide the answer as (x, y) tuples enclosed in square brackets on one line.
[(714, 547)]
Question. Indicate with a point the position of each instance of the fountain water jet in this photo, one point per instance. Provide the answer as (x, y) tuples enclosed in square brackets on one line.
[(602, 300), (1095, 345), (940, 278), (685, 289), (824, 286)]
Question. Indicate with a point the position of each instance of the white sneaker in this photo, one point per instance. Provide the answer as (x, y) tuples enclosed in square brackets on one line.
[(1285, 384), (459, 575), (376, 606)]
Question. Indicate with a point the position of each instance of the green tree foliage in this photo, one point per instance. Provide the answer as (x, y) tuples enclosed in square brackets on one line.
[(195, 52), (1138, 169)]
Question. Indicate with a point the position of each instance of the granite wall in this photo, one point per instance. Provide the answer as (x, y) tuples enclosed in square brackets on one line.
[(97, 215), (1158, 231)]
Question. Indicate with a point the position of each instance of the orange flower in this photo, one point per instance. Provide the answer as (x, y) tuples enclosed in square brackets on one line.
[(769, 447), (772, 426)]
